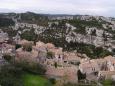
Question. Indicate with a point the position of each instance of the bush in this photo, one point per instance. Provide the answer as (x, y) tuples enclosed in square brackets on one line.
[(29, 35), (7, 57), (17, 46), (52, 80), (31, 67), (107, 83), (81, 75), (10, 76), (27, 47), (50, 55), (5, 22), (55, 64)]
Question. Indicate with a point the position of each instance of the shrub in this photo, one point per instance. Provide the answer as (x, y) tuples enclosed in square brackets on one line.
[(50, 55), (7, 57), (27, 47), (17, 46), (31, 67), (52, 80), (10, 76), (81, 75), (55, 64)]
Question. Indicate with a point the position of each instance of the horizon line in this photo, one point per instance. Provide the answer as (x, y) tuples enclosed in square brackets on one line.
[(57, 14)]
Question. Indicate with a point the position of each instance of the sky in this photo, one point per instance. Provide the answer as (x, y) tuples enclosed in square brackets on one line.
[(83, 7)]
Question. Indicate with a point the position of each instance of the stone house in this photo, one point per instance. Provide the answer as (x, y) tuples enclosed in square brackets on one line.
[(110, 63), (3, 37), (7, 48), (106, 74), (89, 67), (23, 42), (71, 58), (69, 74), (24, 55)]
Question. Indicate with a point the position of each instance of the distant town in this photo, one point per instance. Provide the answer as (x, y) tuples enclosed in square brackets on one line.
[(59, 50)]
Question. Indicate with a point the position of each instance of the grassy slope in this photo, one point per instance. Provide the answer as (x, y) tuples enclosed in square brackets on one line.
[(107, 83), (35, 80)]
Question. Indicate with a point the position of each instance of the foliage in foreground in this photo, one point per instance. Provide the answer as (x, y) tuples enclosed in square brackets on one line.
[(108, 82), (10, 76), (36, 80)]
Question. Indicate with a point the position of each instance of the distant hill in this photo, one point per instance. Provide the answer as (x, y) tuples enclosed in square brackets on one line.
[(81, 33)]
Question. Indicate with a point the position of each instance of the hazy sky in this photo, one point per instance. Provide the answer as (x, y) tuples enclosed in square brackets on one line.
[(91, 7)]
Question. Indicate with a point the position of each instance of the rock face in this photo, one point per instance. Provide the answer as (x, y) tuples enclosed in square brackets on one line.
[(3, 36), (95, 30)]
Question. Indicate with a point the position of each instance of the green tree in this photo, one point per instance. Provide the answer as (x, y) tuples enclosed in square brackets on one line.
[(8, 57), (31, 67), (80, 75), (10, 76), (55, 64), (50, 55), (52, 80), (17, 46), (27, 47)]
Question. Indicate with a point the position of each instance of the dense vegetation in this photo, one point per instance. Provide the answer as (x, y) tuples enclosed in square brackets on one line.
[(22, 73), (5, 22), (34, 18), (82, 24), (90, 50), (80, 75), (10, 31), (108, 82), (29, 35), (13, 76), (10, 76), (80, 84), (18, 46), (35, 80)]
